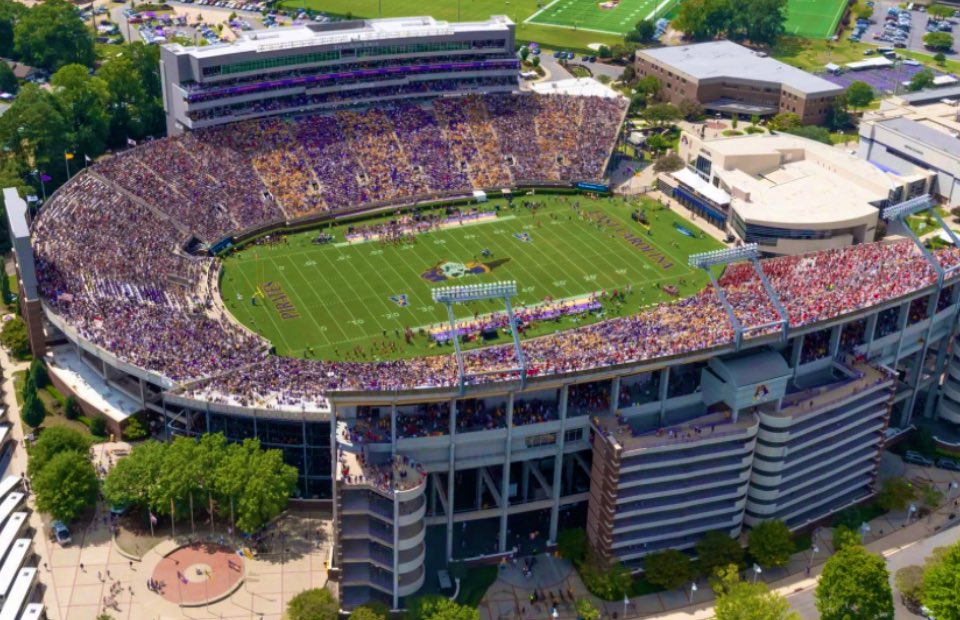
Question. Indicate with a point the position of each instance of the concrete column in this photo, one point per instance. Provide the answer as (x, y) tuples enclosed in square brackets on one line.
[(870, 331), (614, 395), (558, 464), (835, 340), (525, 480), (451, 474), (795, 353), (505, 478), (306, 460), (664, 387)]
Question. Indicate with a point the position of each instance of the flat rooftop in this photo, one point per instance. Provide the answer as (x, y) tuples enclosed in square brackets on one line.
[(89, 386), (580, 87), (725, 59), (355, 31), (789, 181)]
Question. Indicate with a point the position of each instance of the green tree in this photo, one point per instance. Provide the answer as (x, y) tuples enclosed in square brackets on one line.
[(702, 20), (72, 409), (854, 585), (670, 162), (10, 12), (66, 486), (691, 109), (524, 53), (940, 41), (134, 430), (256, 482), (895, 494), (607, 580), (572, 545), (38, 373), (660, 114), (133, 480), (83, 100), (438, 608), (34, 130), (649, 87), (587, 610), (133, 81), (859, 94), (98, 426), (716, 550), (844, 537), (784, 121), (535, 62), (669, 569), (51, 442), (909, 581), (930, 496), (739, 600), (863, 11), (761, 22), (32, 411), (940, 10), (920, 80), (657, 143), (771, 544), (941, 583), (940, 59), (14, 336), (643, 32), (8, 81), (315, 604), (370, 611), (51, 35)]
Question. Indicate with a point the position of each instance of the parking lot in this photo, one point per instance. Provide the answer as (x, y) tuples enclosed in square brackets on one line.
[(884, 33)]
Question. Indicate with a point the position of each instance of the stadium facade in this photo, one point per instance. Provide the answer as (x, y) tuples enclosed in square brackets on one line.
[(676, 432), (323, 67)]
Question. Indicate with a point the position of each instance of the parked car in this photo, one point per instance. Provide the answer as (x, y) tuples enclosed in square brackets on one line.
[(950, 464), (61, 533), (917, 459)]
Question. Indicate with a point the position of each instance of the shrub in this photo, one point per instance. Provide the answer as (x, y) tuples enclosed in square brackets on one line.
[(14, 338), (572, 545), (72, 409), (98, 426), (134, 430)]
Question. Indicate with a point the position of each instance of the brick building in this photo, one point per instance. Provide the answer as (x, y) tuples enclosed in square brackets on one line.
[(728, 78)]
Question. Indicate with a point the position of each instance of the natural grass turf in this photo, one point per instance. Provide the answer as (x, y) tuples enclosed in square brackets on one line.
[(342, 294), (587, 14), (469, 10), (815, 19)]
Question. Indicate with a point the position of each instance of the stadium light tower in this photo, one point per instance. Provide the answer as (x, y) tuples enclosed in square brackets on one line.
[(449, 295), (902, 210), (747, 252)]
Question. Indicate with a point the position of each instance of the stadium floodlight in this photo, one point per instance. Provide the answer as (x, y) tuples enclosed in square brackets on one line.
[(904, 209), (474, 292), (705, 260)]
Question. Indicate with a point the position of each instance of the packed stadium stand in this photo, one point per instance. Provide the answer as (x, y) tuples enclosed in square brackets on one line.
[(655, 428)]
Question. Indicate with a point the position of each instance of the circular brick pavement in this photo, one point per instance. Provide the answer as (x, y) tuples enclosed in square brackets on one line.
[(198, 573)]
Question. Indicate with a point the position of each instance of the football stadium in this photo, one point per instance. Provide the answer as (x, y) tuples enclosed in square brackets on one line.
[(438, 311)]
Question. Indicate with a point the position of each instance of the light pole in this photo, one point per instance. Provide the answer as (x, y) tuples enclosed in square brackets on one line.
[(910, 512), (693, 588), (626, 601), (756, 571), (951, 488), (864, 530)]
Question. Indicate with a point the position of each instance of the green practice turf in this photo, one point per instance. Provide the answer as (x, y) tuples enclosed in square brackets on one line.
[(813, 19), (588, 15), (341, 293)]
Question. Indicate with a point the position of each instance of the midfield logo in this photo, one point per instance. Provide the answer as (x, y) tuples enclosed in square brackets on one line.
[(447, 270)]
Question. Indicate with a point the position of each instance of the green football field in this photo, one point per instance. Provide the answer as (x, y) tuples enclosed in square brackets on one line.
[(342, 300), (592, 15), (813, 19)]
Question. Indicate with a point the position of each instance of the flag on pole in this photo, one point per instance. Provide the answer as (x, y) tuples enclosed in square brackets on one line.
[(153, 519), (46, 178), (68, 156), (87, 159), (131, 142)]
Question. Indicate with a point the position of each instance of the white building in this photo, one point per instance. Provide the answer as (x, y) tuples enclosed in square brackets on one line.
[(789, 194)]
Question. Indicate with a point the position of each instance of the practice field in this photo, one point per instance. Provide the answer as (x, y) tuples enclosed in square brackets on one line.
[(592, 15), (355, 301), (814, 19)]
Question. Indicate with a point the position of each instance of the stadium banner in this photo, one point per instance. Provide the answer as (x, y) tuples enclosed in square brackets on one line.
[(221, 246), (593, 187)]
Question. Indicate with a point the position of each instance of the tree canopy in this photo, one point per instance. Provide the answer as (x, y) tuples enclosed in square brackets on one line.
[(660, 114), (32, 412), (716, 550), (771, 543), (844, 536), (940, 41), (909, 581), (66, 486), (860, 94), (315, 604), (895, 494), (608, 580), (854, 585), (758, 21), (51, 35), (439, 608), (572, 545), (784, 121), (13, 336), (51, 442), (8, 81), (941, 583), (83, 100), (669, 569), (254, 484), (740, 600), (920, 80), (10, 12)]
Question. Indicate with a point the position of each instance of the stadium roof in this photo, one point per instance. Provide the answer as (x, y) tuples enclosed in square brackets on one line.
[(356, 31), (724, 59)]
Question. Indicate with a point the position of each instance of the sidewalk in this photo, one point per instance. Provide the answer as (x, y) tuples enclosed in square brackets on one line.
[(506, 599)]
